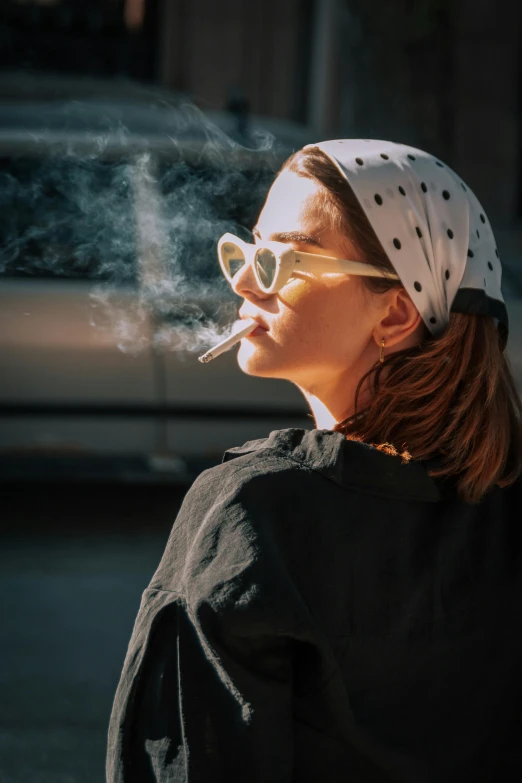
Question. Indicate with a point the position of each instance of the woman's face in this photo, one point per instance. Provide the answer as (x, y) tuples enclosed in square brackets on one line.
[(320, 326)]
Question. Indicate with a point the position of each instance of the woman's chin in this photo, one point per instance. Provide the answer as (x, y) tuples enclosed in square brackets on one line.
[(253, 360)]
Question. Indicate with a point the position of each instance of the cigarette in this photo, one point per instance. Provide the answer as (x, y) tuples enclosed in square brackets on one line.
[(234, 338)]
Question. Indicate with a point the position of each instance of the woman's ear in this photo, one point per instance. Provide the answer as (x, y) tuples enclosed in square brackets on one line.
[(401, 320)]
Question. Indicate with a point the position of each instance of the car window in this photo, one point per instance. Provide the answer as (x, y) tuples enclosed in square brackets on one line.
[(63, 217)]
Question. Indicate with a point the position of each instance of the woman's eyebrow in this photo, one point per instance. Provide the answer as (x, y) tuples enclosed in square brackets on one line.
[(290, 236)]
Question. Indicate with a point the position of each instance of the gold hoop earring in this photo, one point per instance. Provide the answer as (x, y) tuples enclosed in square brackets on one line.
[(381, 358)]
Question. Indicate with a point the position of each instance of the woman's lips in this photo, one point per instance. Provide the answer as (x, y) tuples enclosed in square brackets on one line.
[(258, 330)]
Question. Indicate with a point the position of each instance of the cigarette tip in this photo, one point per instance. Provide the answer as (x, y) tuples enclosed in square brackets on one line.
[(205, 358)]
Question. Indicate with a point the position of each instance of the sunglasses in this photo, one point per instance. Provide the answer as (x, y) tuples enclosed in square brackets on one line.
[(274, 263)]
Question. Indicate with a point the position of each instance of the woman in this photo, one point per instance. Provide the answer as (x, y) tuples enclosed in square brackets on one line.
[(343, 604)]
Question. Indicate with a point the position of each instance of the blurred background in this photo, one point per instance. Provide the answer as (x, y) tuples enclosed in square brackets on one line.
[(133, 134)]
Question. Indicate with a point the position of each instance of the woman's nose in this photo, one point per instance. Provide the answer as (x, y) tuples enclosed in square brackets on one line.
[(244, 281)]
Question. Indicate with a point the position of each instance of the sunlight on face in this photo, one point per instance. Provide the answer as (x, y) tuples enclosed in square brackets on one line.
[(319, 325)]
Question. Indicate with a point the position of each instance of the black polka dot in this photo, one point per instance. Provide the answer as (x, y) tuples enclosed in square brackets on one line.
[(482, 217), (464, 188), (378, 199), (439, 164), (447, 274), (383, 155), (411, 157), (433, 320), (360, 161), (470, 253), (496, 253), (490, 265), (419, 232), (445, 194), (401, 190), (417, 286), (478, 235), (424, 188), (450, 233), (397, 244)]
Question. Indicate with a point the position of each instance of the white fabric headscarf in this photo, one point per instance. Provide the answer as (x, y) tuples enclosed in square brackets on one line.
[(431, 226)]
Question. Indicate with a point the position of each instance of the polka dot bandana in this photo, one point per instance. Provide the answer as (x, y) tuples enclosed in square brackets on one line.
[(431, 226)]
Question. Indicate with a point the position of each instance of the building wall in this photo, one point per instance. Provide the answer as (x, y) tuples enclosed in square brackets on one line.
[(209, 47), (487, 113)]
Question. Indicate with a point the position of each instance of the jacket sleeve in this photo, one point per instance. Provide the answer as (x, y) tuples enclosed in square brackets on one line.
[(215, 695)]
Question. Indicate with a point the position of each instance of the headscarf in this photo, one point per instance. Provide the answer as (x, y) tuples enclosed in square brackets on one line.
[(431, 226)]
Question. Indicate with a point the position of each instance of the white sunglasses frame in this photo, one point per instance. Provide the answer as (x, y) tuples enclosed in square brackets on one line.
[(288, 260)]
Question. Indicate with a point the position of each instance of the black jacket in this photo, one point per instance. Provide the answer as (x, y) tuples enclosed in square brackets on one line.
[(323, 612)]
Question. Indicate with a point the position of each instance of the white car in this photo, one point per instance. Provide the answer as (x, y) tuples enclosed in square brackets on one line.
[(105, 203)]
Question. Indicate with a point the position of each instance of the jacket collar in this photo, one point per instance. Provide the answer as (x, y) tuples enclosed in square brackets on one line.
[(351, 464)]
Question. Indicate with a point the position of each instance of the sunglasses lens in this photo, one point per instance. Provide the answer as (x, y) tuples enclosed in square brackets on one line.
[(265, 263), (232, 257)]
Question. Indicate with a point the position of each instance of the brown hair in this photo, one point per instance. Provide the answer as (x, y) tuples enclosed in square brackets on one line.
[(451, 398)]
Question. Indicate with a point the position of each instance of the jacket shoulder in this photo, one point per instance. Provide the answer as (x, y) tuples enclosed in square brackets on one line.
[(217, 519)]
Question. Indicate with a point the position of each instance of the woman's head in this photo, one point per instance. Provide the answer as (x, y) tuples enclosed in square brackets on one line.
[(449, 395), (325, 329)]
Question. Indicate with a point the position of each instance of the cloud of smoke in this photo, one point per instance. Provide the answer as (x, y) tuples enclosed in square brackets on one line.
[(137, 215)]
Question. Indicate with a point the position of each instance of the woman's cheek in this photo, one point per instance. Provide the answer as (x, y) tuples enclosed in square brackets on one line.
[(303, 317), (297, 293)]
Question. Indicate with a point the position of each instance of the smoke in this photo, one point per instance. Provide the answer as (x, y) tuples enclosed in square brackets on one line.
[(137, 216)]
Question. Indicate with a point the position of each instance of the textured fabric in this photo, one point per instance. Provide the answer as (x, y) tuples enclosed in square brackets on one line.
[(430, 224), (323, 613)]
